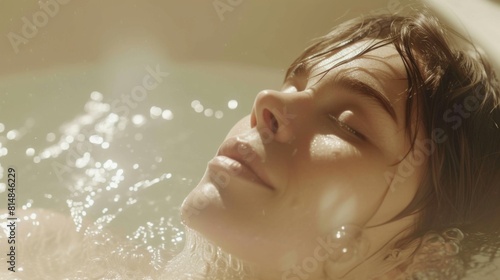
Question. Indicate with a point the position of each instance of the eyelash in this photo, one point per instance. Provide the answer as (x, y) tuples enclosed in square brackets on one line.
[(340, 123), (347, 128)]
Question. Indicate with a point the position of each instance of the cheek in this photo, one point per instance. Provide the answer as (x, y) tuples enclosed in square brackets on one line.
[(345, 185), (348, 203), (240, 127), (325, 148)]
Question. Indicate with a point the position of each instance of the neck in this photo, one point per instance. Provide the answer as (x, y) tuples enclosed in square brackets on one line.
[(381, 258), (202, 260)]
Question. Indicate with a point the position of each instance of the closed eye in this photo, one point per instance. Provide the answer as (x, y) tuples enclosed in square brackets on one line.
[(347, 128)]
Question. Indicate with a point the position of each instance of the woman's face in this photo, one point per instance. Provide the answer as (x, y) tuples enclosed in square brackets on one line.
[(310, 158)]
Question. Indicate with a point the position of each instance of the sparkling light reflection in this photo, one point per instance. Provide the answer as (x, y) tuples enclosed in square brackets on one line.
[(101, 181)]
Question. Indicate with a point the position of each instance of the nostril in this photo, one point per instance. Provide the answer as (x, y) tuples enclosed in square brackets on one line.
[(274, 124), (270, 121)]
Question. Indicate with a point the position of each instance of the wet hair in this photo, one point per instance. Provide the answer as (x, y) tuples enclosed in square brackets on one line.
[(454, 93)]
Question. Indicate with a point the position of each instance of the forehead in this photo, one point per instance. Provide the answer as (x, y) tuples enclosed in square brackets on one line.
[(381, 65), (382, 68)]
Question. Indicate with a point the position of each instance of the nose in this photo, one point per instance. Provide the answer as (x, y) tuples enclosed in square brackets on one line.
[(273, 113)]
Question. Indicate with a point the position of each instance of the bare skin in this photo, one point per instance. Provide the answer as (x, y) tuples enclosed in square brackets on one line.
[(315, 153)]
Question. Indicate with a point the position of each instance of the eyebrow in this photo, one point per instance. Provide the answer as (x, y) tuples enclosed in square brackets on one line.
[(365, 89)]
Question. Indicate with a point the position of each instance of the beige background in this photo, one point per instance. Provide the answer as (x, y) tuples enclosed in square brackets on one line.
[(265, 33)]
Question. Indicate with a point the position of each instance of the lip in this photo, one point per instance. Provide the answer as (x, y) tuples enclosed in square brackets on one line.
[(242, 161)]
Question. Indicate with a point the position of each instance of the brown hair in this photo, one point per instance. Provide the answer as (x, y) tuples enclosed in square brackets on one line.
[(457, 94)]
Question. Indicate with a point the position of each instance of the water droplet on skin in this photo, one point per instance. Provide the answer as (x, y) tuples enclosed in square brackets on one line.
[(324, 147), (348, 244)]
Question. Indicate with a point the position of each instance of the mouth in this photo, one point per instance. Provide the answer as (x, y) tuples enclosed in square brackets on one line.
[(239, 159)]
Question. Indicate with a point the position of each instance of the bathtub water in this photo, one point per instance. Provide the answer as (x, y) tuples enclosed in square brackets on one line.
[(103, 164)]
